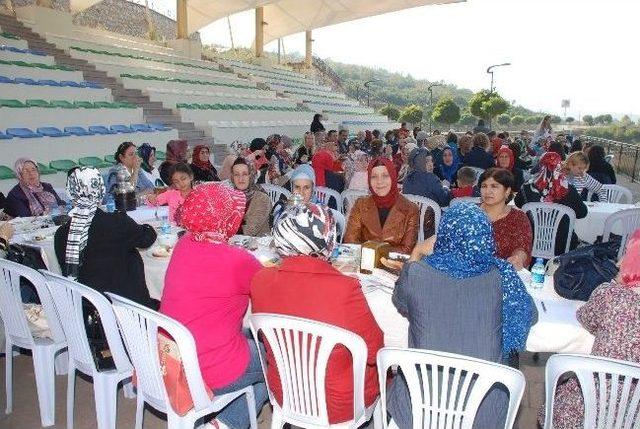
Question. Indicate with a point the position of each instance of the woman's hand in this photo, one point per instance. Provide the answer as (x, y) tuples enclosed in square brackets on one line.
[(6, 231), (392, 264), (517, 259), (152, 199), (423, 248)]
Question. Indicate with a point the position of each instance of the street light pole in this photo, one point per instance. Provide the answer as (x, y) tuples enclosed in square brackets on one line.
[(366, 85), (431, 103), (490, 71)]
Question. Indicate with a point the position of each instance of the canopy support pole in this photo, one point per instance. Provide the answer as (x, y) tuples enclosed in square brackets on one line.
[(308, 60), (181, 18), (259, 31)]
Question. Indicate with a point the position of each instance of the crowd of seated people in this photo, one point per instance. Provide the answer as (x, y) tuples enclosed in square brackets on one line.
[(460, 291)]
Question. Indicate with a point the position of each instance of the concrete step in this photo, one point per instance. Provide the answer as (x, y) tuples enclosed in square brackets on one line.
[(191, 135), (158, 111)]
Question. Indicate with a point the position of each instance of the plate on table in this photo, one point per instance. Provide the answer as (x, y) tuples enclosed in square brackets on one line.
[(160, 251)]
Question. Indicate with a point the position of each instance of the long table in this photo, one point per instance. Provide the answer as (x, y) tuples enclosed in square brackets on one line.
[(557, 329), (591, 226)]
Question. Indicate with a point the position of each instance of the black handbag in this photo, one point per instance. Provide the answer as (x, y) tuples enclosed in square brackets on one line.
[(98, 343), (584, 269), (29, 257)]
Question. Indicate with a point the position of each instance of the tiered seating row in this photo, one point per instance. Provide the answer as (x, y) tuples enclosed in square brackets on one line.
[(336, 108), (73, 91), (266, 75), (10, 53), (21, 69), (240, 107), (305, 94), (225, 132), (255, 67), (8, 39), (114, 68), (312, 86), (189, 81), (171, 98)]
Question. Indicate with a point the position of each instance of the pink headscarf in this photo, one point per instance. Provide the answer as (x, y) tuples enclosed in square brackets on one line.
[(630, 264), (212, 212)]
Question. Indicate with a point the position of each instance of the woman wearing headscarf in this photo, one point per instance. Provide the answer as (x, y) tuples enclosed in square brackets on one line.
[(316, 125), (551, 185), (404, 153), (448, 169), (30, 197), (303, 183), (612, 315), (203, 169), (147, 154), (207, 289), (237, 149), (384, 215), (176, 152), (127, 157), (599, 168), (420, 181), (462, 299), (506, 159), (306, 285), (100, 249), (258, 204)]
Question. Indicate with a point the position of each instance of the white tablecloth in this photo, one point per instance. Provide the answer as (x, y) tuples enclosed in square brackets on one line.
[(591, 226)]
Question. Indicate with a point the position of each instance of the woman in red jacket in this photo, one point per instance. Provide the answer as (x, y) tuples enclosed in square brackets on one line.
[(307, 286)]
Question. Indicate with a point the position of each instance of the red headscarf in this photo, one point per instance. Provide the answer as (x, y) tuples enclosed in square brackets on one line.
[(388, 200), (195, 158), (509, 152), (176, 151), (212, 212), (551, 182), (630, 264)]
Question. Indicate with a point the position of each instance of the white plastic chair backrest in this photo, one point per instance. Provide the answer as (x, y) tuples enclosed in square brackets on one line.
[(11, 309), (324, 195), (349, 198), (275, 192), (471, 200), (301, 349), (604, 383), (340, 223), (609, 158), (67, 297), (423, 204), (139, 328), (546, 219), (618, 194), (629, 220), (478, 172), (445, 387)]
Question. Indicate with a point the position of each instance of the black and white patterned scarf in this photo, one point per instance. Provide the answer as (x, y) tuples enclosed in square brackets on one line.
[(85, 185)]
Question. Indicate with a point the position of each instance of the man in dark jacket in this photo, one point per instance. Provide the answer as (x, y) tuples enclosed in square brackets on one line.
[(479, 157)]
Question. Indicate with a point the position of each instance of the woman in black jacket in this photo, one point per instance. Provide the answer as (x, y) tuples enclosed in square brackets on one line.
[(599, 168), (100, 249), (316, 125)]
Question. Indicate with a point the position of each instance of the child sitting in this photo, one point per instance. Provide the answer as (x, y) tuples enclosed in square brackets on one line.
[(466, 180), (576, 167), (181, 185)]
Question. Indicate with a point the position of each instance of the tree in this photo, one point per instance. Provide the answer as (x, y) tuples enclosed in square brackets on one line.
[(532, 120), (626, 121), (503, 119), (446, 111), (607, 119), (556, 119), (569, 119), (467, 119), (390, 111), (412, 114), (517, 120), (487, 105), (588, 119)]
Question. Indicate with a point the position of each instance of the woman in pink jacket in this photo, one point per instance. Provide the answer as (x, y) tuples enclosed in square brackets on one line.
[(181, 186), (207, 290)]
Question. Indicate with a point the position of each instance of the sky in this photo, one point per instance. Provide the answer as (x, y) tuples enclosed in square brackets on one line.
[(585, 51)]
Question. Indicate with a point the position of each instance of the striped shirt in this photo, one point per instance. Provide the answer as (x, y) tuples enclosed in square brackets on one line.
[(589, 183)]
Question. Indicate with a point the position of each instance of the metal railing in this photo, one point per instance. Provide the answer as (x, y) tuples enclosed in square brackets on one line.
[(626, 155)]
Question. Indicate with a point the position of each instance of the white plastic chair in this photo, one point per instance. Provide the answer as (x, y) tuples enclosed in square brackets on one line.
[(423, 204), (275, 192), (47, 353), (349, 197), (471, 200), (617, 194), (340, 224), (609, 388), (546, 218), (451, 397), (630, 220), (609, 158), (139, 327), (324, 195), (67, 296), (301, 349)]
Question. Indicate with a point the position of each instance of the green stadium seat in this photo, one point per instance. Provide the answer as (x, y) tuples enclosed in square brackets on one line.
[(6, 173), (93, 161), (62, 164), (84, 104), (45, 170), (160, 155), (37, 103), (62, 104), (12, 103), (110, 159), (104, 105)]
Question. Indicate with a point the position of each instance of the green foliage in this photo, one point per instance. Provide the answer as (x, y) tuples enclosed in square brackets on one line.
[(503, 119), (487, 105), (391, 111), (467, 119), (412, 114), (588, 119), (556, 119), (517, 120), (626, 121), (446, 111), (624, 133), (570, 119), (603, 119), (532, 120)]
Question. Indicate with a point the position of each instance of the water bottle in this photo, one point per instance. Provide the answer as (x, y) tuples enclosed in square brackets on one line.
[(537, 274), (111, 204), (165, 228)]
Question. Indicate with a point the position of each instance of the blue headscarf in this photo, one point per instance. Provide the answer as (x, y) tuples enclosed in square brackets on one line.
[(144, 152), (465, 248), (449, 171)]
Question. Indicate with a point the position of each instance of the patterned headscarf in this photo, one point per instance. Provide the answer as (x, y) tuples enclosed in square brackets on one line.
[(253, 185), (195, 158), (465, 248), (86, 188), (212, 212), (176, 151), (305, 229), (144, 152), (39, 199), (388, 200), (630, 264), (509, 152), (551, 182)]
